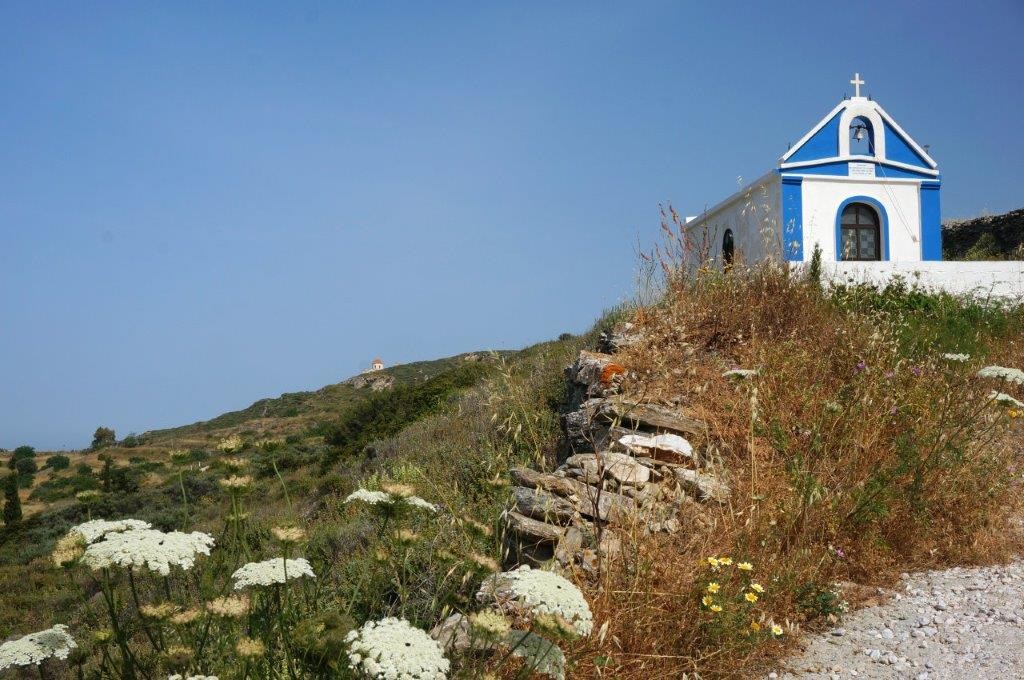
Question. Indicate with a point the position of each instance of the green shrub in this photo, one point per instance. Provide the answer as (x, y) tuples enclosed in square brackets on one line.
[(58, 462), (57, 488), (386, 413)]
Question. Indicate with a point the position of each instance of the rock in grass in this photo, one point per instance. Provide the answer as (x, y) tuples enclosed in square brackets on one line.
[(704, 486), (543, 506)]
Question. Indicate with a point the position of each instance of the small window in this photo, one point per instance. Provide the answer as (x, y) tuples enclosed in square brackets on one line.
[(860, 233), (728, 248)]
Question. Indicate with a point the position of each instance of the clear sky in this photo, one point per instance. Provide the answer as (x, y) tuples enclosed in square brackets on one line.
[(202, 204)]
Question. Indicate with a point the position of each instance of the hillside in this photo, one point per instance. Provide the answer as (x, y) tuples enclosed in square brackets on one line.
[(292, 425), (992, 237), (716, 471), (294, 412)]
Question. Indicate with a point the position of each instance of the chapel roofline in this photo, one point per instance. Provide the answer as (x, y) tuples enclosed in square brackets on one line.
[(853, 107)]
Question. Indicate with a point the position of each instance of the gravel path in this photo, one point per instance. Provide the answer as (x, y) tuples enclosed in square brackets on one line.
[(959, 623)]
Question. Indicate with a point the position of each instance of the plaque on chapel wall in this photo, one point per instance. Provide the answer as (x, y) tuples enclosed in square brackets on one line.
[(862, 169)]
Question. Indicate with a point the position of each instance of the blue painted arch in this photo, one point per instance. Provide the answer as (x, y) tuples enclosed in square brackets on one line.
[(883, 224)]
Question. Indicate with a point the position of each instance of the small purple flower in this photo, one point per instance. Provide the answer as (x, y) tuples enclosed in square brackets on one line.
[(916, 370), (840, 554), (862, 366), (893, 411), (890, 374)]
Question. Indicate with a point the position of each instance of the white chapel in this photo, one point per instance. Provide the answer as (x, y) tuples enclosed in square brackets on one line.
[(856, 185)]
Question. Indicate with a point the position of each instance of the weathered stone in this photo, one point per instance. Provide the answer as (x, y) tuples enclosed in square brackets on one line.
[(584, 429), (623, 335), (650, 416), (543, 505), (569, 546), (706, 487), (532, 530), (454, 633), (555, 482), (594, 423), (618, 466), (668, 447), (608, 506)]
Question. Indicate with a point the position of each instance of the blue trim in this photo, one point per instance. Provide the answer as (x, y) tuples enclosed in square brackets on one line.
[(842, 169), (792, 218), (824, 143), (931, 222), (882, 216), (897, 149)]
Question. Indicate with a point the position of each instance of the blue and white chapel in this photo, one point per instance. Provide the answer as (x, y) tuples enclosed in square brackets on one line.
[(857, 186)]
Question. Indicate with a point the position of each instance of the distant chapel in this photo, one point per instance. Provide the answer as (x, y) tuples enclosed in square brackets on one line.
[(856, 185)]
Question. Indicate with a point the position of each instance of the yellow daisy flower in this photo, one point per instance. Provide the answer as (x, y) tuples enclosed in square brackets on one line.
[(745, 566), (707, 601), (713, 587), (725, 560), (757, 587), (713, 561), (715, 608), (750, 597), (755, 626), (776, 629)]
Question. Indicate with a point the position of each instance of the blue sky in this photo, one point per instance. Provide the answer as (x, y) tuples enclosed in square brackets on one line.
[(203, 204)]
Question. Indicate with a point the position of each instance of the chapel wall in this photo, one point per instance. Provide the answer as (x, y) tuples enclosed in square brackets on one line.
[(823, 195), (753, 215)]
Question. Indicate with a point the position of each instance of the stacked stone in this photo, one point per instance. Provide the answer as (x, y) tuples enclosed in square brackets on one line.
[(631, 467)]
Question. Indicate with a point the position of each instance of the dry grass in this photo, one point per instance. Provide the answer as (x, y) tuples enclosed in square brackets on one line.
[(851, 458)]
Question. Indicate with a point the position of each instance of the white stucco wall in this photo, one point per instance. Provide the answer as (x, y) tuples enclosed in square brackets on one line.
[(822, 196), (753, 214), (1004, 280)]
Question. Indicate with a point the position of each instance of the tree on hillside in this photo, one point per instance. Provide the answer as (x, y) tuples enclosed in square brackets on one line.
[(12, 502), (21, 453), (25, 469), (103, 436), (107, 474)]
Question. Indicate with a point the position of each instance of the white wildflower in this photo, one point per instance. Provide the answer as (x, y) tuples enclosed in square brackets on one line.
[(1004, 399), (961, 358), (156, 550), (740, 373), (418, 502), (35, 648), (366, 496), (1013, 375), (539, 592), (270, 572), (392, 649), (382, 498), (96, 529)]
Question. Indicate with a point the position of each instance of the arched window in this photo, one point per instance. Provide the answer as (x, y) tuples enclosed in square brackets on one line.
[(860, 235), (728, 248)]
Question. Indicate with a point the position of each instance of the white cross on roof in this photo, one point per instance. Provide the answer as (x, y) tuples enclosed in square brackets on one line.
[(856, 82)]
